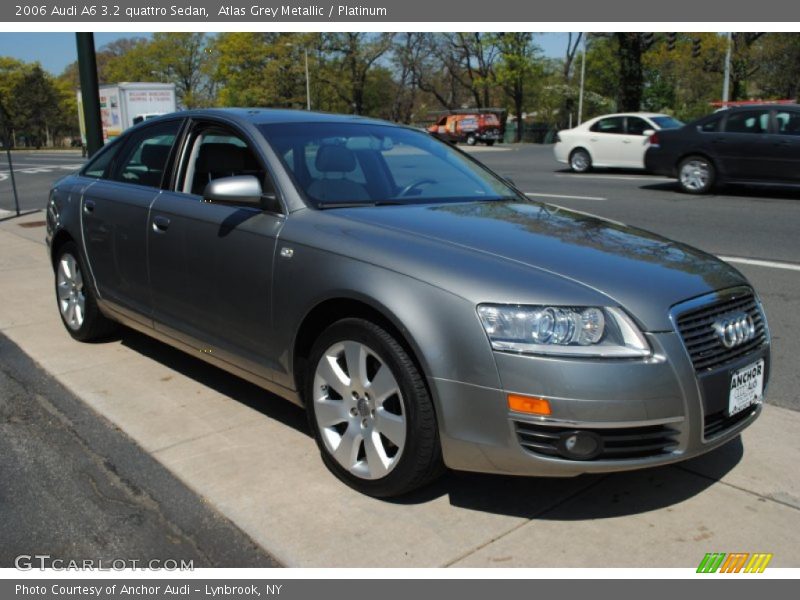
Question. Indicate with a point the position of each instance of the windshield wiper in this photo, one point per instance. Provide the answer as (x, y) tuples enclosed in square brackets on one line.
[(350, 204)]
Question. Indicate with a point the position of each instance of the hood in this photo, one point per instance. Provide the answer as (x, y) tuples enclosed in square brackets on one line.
[(642, 272)]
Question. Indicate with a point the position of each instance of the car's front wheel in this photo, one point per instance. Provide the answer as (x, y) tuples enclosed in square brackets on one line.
[(696, 175), (370, 410), (471, 140), (76, 302), (580, 161)]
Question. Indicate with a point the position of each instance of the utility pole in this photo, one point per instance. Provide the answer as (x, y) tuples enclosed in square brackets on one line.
[(90, 92), (727, 76), (583, 78), (308, 83)]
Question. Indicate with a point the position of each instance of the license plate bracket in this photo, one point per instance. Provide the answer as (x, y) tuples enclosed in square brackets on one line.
[(746, 387)]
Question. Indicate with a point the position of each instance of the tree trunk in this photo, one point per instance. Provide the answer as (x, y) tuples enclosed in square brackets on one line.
[(631, 83)]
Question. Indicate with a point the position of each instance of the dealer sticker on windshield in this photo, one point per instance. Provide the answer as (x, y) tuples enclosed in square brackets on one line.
[(747, 387)]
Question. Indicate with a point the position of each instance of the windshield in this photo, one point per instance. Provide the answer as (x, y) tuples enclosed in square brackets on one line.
[(344, 164), (667, 122)]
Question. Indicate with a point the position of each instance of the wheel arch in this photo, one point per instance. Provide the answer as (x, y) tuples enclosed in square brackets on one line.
[(328, 311), (702, 154), (60, 238), (577, 147)]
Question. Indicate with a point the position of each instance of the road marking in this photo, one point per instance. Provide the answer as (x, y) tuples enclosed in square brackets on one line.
[(32, 170), (761, 263), (619, 177), (537, 195)]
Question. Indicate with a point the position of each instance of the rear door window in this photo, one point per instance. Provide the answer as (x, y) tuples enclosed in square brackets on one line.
[(610, 125), (788, 122), (144, 158), (637, 126), (750, 121)]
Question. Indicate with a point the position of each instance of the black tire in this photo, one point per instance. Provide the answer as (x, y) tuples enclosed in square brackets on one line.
[(471, 140), (696, 175), (94, 325), (580, 161), (420, 460), (490, 142)]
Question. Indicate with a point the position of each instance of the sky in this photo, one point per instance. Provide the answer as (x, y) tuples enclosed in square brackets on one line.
[(56, 50)]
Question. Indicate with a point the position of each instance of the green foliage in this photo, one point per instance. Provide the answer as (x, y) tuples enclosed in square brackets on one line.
[(35, 108), (407, 77)]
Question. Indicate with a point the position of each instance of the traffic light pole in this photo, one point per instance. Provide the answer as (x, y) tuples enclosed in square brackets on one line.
[(90, 92)]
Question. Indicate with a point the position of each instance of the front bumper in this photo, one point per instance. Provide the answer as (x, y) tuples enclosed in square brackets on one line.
[(664, 392)]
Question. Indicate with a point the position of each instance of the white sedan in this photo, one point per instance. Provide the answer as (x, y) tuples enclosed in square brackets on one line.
[(618, 140)]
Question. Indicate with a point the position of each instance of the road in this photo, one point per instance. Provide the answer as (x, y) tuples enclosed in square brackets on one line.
[(756, 229), (34, 173), (74, 487)]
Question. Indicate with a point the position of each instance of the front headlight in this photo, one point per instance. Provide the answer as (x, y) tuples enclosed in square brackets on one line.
[(563, 330)]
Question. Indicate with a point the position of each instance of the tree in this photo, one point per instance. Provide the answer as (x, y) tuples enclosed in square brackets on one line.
[(516, 66), (743, 65), (34, 106), (778, 76), (630, 47), (261, 69), (407, 55), (350, 57)]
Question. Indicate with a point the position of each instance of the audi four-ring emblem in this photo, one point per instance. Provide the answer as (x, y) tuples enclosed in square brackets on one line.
[(735, 329)]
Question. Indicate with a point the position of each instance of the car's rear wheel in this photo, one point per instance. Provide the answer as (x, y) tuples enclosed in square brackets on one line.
[(76, 301), (696, 175), (370, 410), (580, 161)]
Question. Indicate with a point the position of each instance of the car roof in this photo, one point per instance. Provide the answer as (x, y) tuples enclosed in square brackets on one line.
[(759, 105), (263, 116), (631, 114)]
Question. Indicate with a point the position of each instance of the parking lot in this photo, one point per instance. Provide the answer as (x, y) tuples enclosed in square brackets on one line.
[(250, 456)]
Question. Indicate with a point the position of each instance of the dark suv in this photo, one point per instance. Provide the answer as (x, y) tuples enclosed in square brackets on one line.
[(745, 144)]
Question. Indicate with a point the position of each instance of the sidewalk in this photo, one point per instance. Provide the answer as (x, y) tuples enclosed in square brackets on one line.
[(250, 455)]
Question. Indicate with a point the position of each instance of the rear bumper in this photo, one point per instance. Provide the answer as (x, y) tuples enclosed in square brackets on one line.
[(661, 398)]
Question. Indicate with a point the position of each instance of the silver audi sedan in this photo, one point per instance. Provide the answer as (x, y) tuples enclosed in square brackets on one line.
[(425, 312)]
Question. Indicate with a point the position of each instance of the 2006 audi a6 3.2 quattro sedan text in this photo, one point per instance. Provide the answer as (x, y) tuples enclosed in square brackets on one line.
[(424, 311)]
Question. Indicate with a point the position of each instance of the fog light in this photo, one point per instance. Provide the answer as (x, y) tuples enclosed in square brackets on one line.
[(528, 404), (580, 445)]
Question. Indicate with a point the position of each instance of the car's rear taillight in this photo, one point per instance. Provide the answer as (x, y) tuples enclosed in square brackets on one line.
[(654, 140)]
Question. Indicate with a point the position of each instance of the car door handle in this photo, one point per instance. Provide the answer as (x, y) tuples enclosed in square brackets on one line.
[(160, 224), (88, 206), (719, 141), (626, 141)]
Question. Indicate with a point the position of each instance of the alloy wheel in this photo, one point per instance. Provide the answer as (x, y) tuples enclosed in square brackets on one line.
[(695, 175), (71, 297), (359, 410)]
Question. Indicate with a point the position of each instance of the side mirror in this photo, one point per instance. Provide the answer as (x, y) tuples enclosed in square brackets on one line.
[(648, 132), (241, 189)]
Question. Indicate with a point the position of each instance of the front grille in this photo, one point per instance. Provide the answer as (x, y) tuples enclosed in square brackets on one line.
[(701, 341), (618, 443), (719, 422)]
